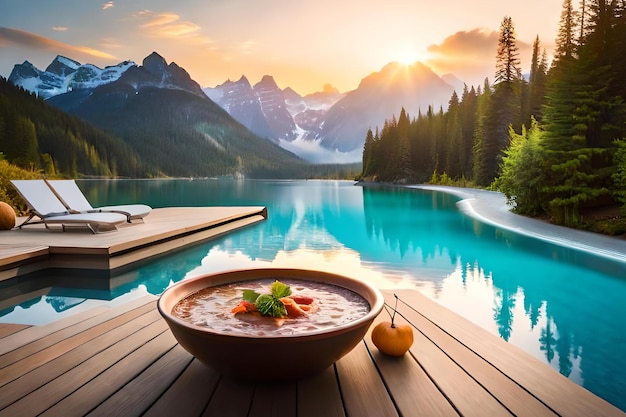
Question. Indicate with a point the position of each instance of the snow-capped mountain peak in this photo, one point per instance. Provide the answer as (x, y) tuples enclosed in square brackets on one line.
[(63, 75), (62, 66)]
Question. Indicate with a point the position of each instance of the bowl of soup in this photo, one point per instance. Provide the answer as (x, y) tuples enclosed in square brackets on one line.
[(221, 319)]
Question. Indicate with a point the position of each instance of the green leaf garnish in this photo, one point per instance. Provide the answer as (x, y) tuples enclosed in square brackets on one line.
[(250, 295), (268, 305), (280, 290)]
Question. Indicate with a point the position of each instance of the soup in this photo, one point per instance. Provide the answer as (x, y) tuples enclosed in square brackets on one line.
[(212, 307)]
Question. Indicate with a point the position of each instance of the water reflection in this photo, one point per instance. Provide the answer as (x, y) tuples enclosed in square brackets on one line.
[(563, 307)]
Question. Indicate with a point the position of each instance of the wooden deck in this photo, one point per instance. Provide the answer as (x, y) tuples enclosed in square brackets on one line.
[(34, 247), (125, 362)]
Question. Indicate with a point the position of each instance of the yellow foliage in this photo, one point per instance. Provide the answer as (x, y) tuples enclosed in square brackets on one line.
[(8, 194)]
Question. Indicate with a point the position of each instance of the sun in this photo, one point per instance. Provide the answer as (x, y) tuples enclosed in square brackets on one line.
[(407, 56)]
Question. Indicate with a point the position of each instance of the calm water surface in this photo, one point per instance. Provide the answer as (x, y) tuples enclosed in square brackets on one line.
[(564, 307)]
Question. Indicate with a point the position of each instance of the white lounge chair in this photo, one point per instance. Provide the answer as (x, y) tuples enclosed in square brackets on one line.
[(73, 198), (45, 205)]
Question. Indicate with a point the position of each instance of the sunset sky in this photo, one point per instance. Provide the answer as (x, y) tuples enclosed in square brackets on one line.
[(303, 44)]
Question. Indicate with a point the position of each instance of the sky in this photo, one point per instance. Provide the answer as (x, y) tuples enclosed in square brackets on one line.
[(304, 45)]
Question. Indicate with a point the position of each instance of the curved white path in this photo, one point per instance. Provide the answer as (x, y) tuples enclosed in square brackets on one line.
[(490, 207)]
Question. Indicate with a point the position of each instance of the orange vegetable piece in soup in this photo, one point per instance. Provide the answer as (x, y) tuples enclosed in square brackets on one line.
[(244, 307), (293, 309)]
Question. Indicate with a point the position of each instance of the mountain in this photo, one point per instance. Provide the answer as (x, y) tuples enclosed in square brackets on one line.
[(240, 100), (326, 126), (309, 112), (63, 75), (284, 116), (167, 119), (261, 108), (275, 109), (378, 97), (336, 122)]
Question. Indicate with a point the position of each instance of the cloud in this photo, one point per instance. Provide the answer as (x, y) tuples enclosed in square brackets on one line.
[(60, 28), (169, 25), (108, 5), (23, 39), (467, 43), (470, 55)]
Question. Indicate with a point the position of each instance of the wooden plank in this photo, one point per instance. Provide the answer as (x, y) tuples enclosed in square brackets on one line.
[(274, 400), (54, 350), (60, 329), (137, 396), (11, 254), (362, 389), (56, 390), (413, 392), (7, 329), (98, 389), (562, 395), (231, 399), (189, 394), (33, 333), (515, 398), (466, 395), (35, 379), (320, 396)]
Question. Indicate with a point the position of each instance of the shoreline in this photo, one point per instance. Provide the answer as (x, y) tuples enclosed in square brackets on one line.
[(490, 207)]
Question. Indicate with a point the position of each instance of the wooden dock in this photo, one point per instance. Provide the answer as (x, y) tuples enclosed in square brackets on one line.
[(125, 362), (34, 247)]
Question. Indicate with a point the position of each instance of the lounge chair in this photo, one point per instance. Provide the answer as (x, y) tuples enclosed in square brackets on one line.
[(73, 198), (45, 205)]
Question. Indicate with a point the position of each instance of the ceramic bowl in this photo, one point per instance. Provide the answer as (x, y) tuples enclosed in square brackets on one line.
[(268, 358)]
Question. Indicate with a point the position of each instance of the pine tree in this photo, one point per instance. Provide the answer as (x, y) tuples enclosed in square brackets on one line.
[(536, 91), (453, 138), (468, 119), (566, 38), (507, 58), (603, 109), (368, 155), (503, 108), (24, 152), (560, 143), (583, 116), (479, 161), (420, 146), (403, 147), (619, 176)]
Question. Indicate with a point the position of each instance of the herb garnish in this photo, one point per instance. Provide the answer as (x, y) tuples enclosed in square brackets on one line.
[(269, 304)]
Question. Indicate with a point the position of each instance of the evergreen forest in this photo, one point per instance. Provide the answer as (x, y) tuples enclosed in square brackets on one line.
[(38, 137), (554, 141)]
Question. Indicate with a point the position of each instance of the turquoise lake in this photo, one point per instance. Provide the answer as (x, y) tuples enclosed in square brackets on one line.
[(562, 306)]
